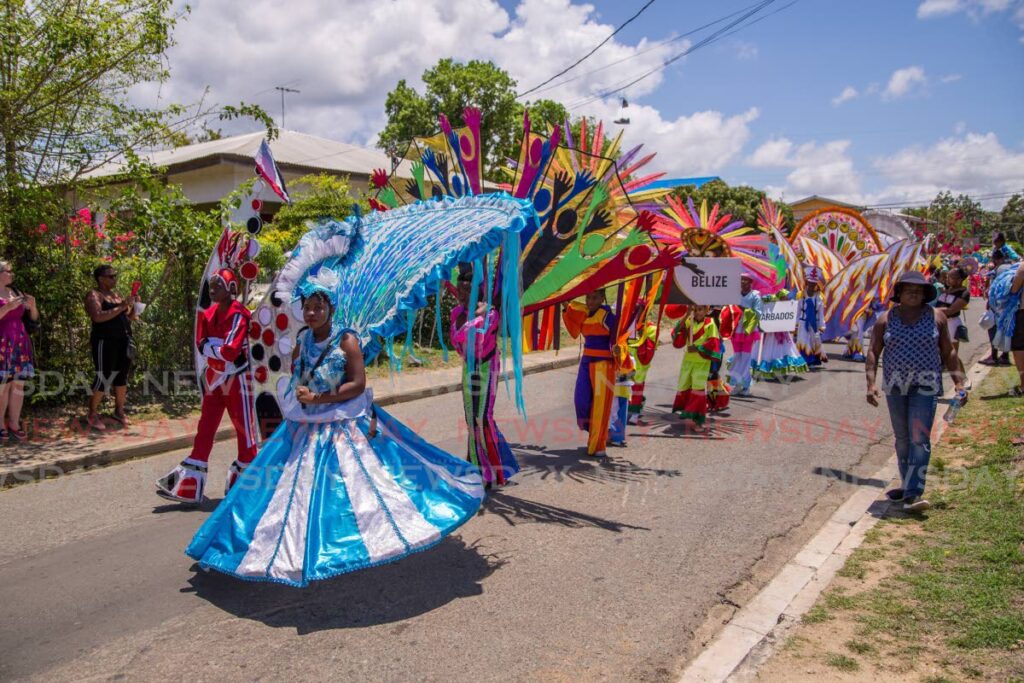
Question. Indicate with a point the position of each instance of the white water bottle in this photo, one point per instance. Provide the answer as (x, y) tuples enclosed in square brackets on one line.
[(954, 406)]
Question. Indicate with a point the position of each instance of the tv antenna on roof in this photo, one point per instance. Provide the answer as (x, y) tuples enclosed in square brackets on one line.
[(283, 90)]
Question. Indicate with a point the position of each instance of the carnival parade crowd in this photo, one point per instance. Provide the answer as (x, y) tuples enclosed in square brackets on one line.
[(337, 484)]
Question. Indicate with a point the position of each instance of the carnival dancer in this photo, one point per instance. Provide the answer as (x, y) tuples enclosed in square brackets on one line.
[(718, 390), (595, 380), (855, 341), (811, 320), (222, 337), (327, 495), (487, 448), (779, 355), (620, 408), (698, 334), (745, 337), (641, 349)]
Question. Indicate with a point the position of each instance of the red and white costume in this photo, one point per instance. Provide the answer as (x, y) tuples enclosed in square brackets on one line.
[(222, 337)]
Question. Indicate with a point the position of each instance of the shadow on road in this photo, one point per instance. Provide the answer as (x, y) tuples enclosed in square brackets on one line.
[(849, 478), (513, 509), (573, 465), (719, 427), (391, 593)]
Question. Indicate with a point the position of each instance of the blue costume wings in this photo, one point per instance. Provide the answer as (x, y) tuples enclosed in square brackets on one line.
[(388, 264)]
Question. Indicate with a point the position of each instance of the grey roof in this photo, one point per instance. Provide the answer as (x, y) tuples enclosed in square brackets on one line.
[(291, 150), (834, 202)]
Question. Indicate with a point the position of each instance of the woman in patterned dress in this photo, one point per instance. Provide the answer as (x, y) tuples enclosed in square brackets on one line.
[(16, 364)]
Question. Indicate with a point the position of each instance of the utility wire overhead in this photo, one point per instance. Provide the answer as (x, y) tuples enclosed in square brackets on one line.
[(668, 62), (586, 56), (640, 53)]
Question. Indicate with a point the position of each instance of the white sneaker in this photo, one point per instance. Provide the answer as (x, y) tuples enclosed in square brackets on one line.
[(915, 504)]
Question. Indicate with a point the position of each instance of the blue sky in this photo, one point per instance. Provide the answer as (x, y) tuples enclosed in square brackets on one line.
[(934, 88), (792, 65)]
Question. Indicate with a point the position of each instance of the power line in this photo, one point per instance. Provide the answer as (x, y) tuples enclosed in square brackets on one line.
[(640, 53), (924, 202), (584, 57), (726, 30)]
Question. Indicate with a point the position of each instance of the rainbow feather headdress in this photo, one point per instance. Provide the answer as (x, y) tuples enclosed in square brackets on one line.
[(689, 232)]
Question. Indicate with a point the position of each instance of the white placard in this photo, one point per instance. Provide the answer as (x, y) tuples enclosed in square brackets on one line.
[(710, 281), (779, 316)]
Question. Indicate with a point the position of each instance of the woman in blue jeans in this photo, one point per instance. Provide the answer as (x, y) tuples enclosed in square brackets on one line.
[(913, 341)]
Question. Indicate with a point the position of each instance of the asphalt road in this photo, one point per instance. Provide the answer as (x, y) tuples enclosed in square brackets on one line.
[(579, 571)]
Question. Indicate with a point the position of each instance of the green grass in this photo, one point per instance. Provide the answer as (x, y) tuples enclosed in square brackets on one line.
[(959, 583), (816, 615), (841, 662), (835, 599)]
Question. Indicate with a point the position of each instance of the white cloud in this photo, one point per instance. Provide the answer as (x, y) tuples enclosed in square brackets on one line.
[(975, 9), (344, 72), (972, 163), (951, 78), (937, 8), (745, 50), (849, 93), (903, 81), (825, 169), (701, 143)]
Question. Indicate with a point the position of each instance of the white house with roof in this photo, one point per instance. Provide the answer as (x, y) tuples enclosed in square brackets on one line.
[(208, 171)]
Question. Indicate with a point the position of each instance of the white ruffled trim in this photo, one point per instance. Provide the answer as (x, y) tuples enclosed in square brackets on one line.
[(352, 409)]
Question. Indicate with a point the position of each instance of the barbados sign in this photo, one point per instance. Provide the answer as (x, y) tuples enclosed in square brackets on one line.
[(779, 316)]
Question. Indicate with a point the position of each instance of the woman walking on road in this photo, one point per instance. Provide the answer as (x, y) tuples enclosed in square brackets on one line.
[(914, 343)]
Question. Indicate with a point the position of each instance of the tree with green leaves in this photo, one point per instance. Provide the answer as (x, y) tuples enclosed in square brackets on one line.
[(1011, 218), (450, 88), (66, 69), (314, 197), (742, 201), (953, 219)]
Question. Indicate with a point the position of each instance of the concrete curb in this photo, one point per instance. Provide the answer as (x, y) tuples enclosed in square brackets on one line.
[(749, 638), (115, 455)]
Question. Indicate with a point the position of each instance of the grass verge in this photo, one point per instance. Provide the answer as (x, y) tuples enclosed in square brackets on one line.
[(937, 596)]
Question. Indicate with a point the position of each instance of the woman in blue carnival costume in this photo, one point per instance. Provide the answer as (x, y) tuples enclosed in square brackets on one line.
[(333, 491), (341, 485)]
